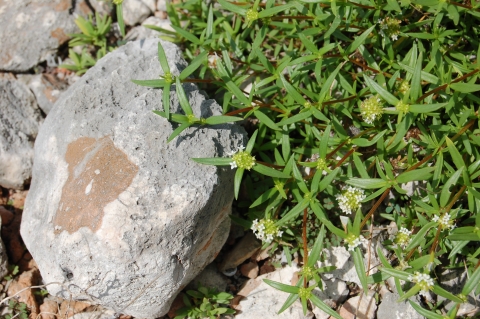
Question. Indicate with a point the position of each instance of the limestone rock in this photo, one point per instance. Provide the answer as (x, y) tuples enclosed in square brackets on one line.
[(114, 212), (3, 257), (360, 307), (20, 119), (46, 88), (39, 28), (136, 11), (390, 308), (243, 250), (263, 301), (142, 32)]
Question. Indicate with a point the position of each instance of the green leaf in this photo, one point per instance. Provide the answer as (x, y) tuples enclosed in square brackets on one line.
[(217, 161), (187, 35), (160, 83), (400, 274), (323, 306), (182, 98), (162, 58), (293, 213), (292, 91), (328, 83), (424, 312), (445, 194), (193, 65), (420, 236), (237, 181), (178, 130), (472, 282), (360, 268), (324, 142), (317, 247), (264, 197), (266, 120), (121, 22), (415, 175), (359, 40), (327, 180), (251, 142), (281, 287), (426, 108), (221, 119), (367, 183), (274, 10), (232, 87), (166, 100), (294, 119), (465, 87), (456, 156), (442, 292), (268, 171), (387, 96), (233, 8), (416, 87)]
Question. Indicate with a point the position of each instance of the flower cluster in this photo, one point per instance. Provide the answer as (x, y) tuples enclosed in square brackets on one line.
[(402, 107), (444, 221), (371, 108), (353, 241), (266, 230), (424, 281), (321, 164), (350, 198), (390, 28), (242, 159), (403, 87), (403, 237)]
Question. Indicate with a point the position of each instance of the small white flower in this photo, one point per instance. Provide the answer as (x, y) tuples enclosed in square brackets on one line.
[(350, 199), (266, 230), (444, 221), (424, 281), (353, 241)]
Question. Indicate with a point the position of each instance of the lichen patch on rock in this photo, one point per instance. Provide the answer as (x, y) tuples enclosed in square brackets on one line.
[(87, 192)]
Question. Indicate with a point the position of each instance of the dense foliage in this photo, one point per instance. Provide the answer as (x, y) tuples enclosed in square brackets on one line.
[(361, 113)]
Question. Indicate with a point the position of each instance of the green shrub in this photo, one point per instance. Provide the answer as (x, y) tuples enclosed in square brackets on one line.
[(349, 101)]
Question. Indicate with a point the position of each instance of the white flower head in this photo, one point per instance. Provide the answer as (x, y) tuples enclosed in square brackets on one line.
[(266, 230), (353, 241), (424, 281), (241, 159), (444, 221), (403, 237), (350, 199), (371, 109)]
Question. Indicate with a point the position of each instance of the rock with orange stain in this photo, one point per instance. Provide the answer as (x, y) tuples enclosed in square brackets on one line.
[(39, 26), (114, 212)]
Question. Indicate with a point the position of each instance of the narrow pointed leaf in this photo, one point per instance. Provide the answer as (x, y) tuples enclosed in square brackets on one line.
[(193, 65), (367, 183), (266, 120), (237, 181), (359, 40), (323, 306), (387, 96), (268, 171), (360, 268), (415, 175), (160, 83), (182, 98), (121, 22), (221, 119), (187, 35), (178, 130), (162, 58), (281, 287), (419, 237)]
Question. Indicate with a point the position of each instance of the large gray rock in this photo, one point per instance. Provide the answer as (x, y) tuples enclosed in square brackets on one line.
[(20, 120), (114, 212), (32, 30)]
